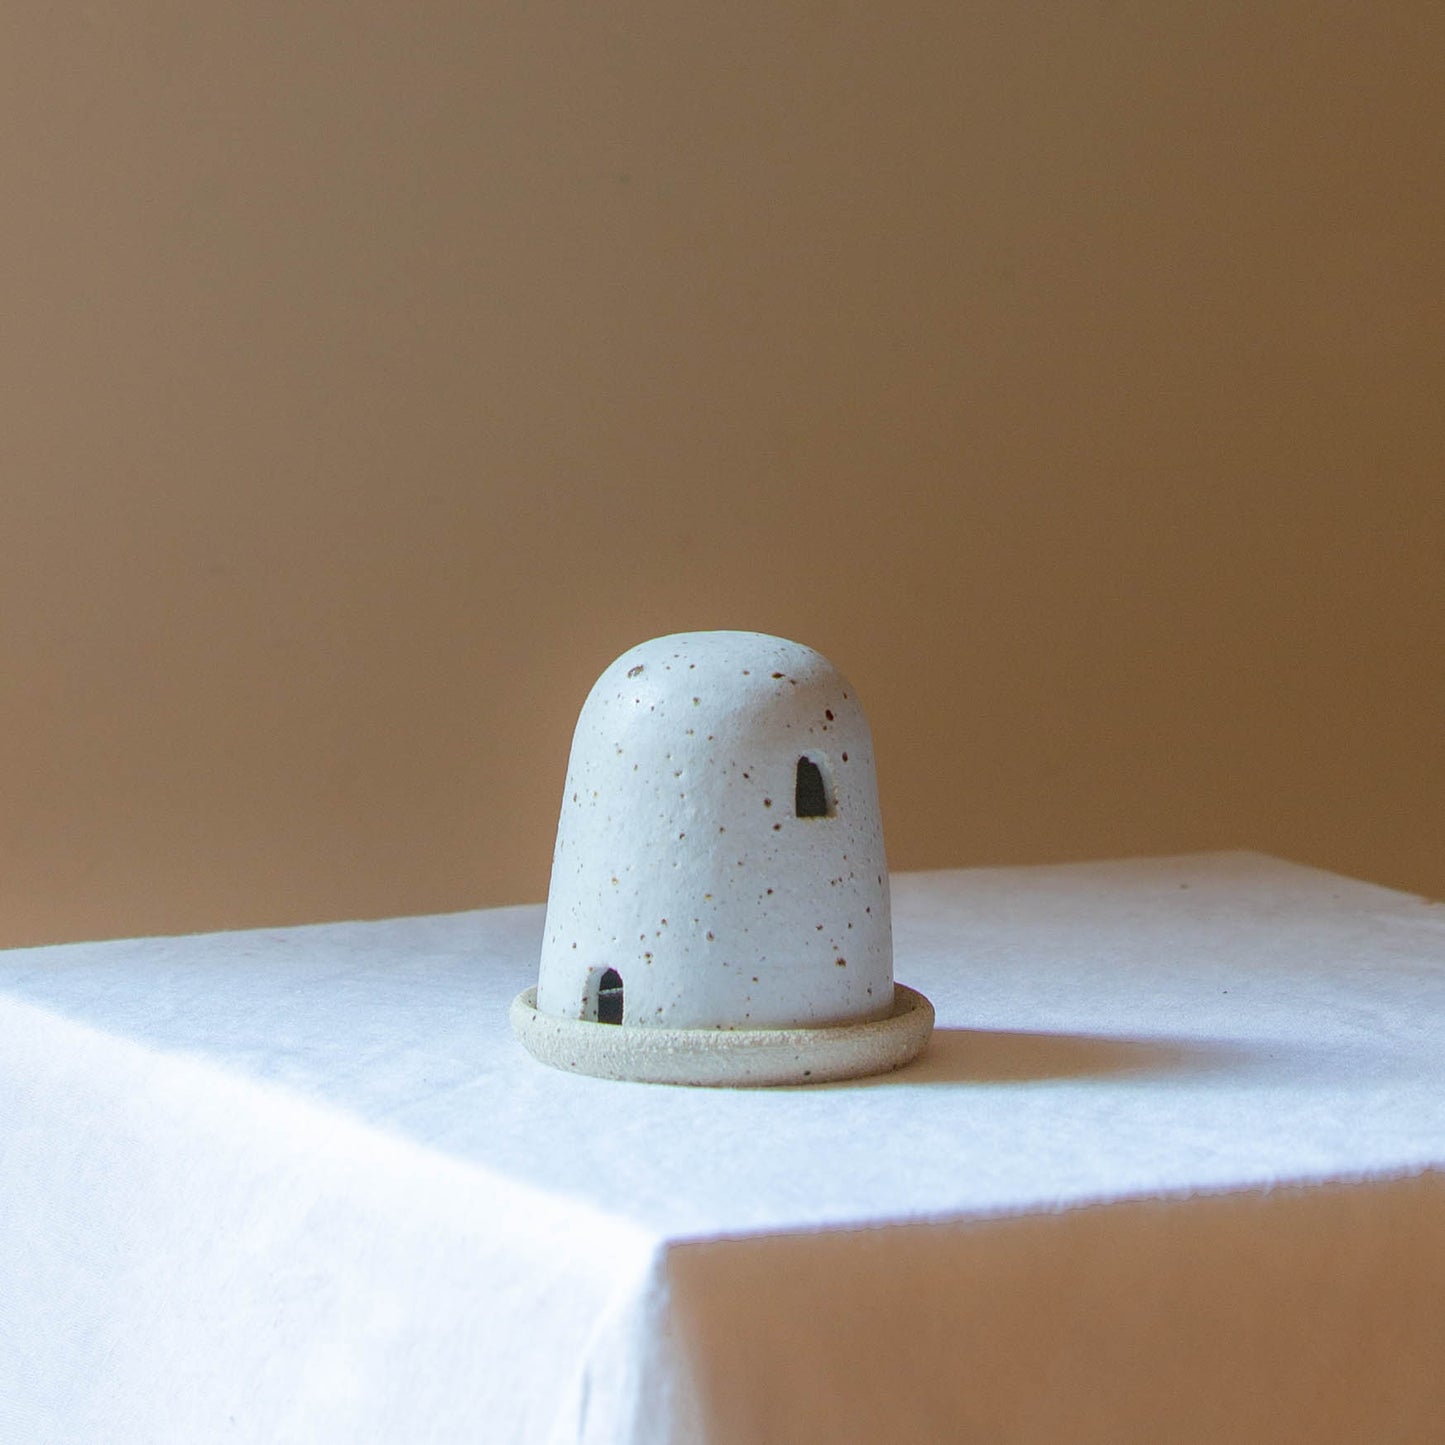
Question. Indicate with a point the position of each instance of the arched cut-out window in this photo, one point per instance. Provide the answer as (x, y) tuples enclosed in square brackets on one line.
[(609, 998), (812, 797)]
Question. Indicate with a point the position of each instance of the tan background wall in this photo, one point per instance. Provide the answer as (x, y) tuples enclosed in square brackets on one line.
[(373, 373)]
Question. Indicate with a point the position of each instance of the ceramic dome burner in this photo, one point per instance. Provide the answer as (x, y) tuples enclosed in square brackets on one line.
[(718, 912)]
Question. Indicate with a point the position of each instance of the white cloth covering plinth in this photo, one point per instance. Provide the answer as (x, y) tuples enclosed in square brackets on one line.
[(1168, 1172)]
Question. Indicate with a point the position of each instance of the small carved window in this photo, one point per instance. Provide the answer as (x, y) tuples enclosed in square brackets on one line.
[(812, 796), (609, 998)]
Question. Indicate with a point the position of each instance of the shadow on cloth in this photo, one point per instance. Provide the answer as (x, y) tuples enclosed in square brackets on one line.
[(1006, 1056)]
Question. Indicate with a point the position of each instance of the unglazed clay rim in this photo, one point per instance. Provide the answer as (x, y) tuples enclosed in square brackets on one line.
[(727, 1057)]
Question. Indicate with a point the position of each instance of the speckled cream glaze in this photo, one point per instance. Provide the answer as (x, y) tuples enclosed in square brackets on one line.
[(681, 862)]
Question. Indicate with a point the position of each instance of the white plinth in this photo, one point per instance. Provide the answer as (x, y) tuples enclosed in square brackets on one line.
[(1168, 1171)]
